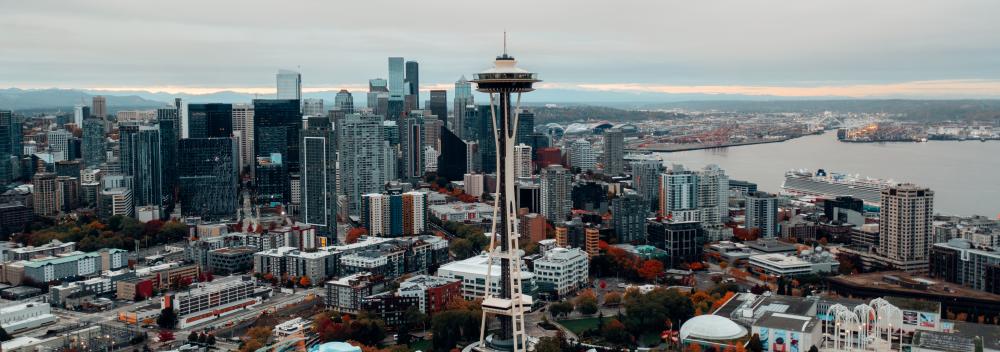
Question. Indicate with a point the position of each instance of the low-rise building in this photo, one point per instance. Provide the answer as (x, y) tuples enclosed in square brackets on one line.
[(472, 273), (345, 294), (231, 260), (808, 262), (210, 300), (22, 316), (291, 327), (561, 270), (462, 212), (70, 265), (432, 292), (964, 262)]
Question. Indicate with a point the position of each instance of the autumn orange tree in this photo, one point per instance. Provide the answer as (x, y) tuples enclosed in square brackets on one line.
[(651, 269), (354, 234)]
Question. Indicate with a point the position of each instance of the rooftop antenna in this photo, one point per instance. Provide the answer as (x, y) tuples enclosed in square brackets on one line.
[(505, 43)]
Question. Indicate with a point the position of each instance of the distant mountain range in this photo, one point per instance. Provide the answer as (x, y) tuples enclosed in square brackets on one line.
[(54, 100)]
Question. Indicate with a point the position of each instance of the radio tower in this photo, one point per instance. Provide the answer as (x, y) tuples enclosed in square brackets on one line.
[(507, 305)]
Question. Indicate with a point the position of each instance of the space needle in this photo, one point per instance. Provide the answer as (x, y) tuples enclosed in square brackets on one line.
[(508, 304)]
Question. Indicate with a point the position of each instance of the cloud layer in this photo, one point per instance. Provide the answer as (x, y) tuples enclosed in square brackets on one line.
[(783, 48)]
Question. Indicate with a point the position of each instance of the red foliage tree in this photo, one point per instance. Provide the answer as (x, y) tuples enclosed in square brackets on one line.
[(166, 335), (651, 269), (354, 234)]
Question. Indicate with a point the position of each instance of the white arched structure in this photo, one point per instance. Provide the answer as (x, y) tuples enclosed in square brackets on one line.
[(866, 327)]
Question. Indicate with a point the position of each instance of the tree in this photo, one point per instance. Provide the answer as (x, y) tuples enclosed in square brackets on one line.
[(304, 281), (813, 349), (560, 308), (167, 318), (548, 344), (615, 333), (210, 339), (462, 248), (193, 336), (4, 336), (754, 345), (354, 234), (612, 299), (586, 302), (651, 269)]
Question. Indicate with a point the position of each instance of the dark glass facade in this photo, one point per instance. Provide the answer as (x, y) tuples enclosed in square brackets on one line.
[(319, 174), (453, 161), (276, 130), (141, 158), (93, 146), (439, 104), (487, 141), (208, 177), (212, 120)]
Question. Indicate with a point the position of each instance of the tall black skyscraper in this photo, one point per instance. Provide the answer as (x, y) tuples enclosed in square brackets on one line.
[(210, 120), (208, 177), (94, 144), (319, 185), (525, 127), (487, 140), (412, 83), (276, 130), (453, 162), (411, 146), (10, 145), (169, 124), (141, 158), (439, 104)]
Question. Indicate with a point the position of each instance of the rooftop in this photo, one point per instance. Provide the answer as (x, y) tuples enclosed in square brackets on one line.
[(788, 322), (904, 283)]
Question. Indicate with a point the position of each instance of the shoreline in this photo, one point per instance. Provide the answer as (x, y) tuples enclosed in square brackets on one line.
[(690, 147)]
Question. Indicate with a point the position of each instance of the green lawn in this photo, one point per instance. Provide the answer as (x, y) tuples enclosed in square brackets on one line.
[(578, 326), (422, 345), (649, 340)]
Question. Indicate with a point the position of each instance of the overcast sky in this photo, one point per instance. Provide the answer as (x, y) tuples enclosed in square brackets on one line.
[(789, 48)]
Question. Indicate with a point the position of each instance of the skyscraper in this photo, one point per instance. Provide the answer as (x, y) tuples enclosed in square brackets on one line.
[(99, 106), (378, 96), (412, 83), (762, 213), (646, 180), (525, 126), (59, 142), (93, 144), (362, 157), (556, 189), (80, 112), (628, 217), (319, 180), (905, 227), (509, 304), (679, 194), (397, 89), (522, 161), (582, 155), (453, 162), (463, 98), (394, 214), (439, 104), (289, 85), (243, 124), (713, 201), (44, 194), (411, 146), (313, 107), (276, 130), (168, 124), (614, 152), (487, 139), (208, 177), (212, 120), (142, 159), (344, 102)]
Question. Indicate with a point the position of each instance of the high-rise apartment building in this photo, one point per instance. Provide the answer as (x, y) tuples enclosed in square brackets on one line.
[(378, 96), (582, 155), (141, 158), (44, 194), (628, 217), (289, 85), (99, 106), (59, 143), (208, 177), (713, 201), (394, 214), (522, 161), (905, 227), (11, 147), (679, 194), (243, 125), (762, 213), (556, 187), (439, 104), (362, 157), (646, 180), (319, 180), (614, 152), (411, 146)]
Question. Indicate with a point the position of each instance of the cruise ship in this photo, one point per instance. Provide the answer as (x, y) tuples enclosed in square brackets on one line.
[(831, 185)]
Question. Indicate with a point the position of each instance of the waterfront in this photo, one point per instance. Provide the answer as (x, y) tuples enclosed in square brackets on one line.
[(964, 175)]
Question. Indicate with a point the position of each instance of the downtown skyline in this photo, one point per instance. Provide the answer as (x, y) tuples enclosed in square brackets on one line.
[(784, 49)]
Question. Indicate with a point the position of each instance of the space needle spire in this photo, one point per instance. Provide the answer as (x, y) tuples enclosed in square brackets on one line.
[(508, 303)]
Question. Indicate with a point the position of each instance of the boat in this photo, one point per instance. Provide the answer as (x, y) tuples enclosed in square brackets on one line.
[(831, 185)]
